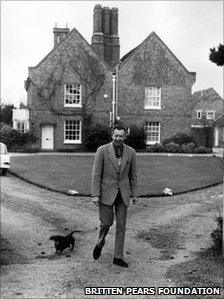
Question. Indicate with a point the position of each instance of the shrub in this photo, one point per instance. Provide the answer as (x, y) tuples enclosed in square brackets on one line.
[(202, 150), (217, 235), (172, 148), (188, 148), (14, 139), (68, 150), (156, 148), (25, 148), (29, 138), (11, 137), (30, 148), (97, 135), (136, 138), (209, 150), (180, 138), (150, 149)]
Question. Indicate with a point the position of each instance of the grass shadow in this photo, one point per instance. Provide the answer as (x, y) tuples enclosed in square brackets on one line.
[(205, 270)]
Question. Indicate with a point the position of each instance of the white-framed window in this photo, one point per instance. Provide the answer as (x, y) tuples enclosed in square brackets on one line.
[(152, 132), (73, 95), (72, 131), (20, 126), (210, 114), (152, 97), (199, 114)]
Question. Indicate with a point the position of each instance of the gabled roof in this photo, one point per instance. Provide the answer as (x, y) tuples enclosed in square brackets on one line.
[(74, 30), (220, 120), (131, 53), (201, 93), (205, 93)]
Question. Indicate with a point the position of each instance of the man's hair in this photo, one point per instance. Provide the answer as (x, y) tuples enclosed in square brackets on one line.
[(119, 127)]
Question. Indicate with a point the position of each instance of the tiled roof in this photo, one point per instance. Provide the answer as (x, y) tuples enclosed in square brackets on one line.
[(204, 93)]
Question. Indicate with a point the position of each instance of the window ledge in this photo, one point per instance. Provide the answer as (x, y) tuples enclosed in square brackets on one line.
[(152, 108), (152, 142), (72, 142), (197, 126), (72, 106)]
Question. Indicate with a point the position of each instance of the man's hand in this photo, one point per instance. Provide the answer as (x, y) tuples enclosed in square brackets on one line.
[(134, 200), (96, 200)]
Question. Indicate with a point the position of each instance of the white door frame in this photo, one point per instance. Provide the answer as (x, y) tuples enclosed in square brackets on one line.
[(47, 137)]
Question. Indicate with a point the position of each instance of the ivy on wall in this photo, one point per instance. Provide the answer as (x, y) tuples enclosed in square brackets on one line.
[(154, 67)]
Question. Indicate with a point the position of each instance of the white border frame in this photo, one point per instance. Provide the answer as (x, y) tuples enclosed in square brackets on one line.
[(153, 107), (210, 111), (154, 142), (66, 141), (73, 105)]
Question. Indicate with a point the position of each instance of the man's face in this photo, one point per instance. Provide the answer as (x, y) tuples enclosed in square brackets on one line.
[(118, 136)]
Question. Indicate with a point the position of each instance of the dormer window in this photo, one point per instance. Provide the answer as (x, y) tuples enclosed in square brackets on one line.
[(72, 95), (152, 97)]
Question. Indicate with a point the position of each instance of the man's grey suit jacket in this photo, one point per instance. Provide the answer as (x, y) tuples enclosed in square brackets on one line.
[(106, 178)]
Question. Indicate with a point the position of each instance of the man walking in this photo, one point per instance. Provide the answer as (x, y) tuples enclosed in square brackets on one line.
[(114, 180)]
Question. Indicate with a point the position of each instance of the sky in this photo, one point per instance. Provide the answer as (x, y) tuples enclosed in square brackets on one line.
[(188, 28)]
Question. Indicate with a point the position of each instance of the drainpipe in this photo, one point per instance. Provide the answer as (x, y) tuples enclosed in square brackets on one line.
[(113, 98), (116, 113)]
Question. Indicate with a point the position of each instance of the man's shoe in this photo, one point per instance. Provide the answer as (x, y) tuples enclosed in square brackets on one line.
[(120, 262), (97, 252)]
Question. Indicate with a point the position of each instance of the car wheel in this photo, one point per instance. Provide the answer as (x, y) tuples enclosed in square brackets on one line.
[(4, 170)]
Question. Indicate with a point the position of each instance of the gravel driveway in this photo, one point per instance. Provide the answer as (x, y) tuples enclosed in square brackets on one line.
[(162, 233)]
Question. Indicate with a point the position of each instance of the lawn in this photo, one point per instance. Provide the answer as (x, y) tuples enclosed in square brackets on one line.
[(65, 172)]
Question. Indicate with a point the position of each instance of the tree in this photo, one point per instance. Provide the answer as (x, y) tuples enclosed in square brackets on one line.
[(6, 113), (217, 56)]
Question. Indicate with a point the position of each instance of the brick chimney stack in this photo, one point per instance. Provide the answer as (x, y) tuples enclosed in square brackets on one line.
[(59, 34), (106, 20), (105, 39), (115, 41), (97, 38)]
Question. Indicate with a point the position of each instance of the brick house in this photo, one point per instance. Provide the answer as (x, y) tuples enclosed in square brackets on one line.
[(155, 90), (207, 109), (59, 97), (150, 87)]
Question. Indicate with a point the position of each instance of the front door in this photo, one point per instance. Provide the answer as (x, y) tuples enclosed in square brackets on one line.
[(47, 137)]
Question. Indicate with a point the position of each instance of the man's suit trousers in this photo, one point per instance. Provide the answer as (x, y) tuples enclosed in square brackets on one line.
[(106, 214)]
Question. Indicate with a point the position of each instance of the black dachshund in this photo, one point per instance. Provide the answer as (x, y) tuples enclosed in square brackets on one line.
[(61, 243)]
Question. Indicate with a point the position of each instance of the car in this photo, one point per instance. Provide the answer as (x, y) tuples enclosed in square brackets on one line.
[(4, 159)]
